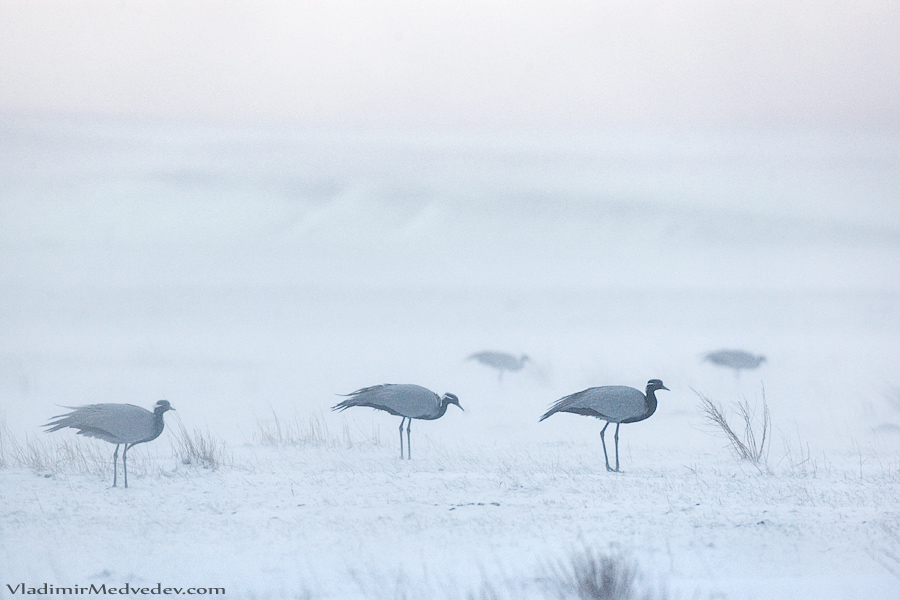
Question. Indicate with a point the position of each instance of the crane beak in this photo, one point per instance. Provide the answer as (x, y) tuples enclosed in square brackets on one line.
[(665, 388)]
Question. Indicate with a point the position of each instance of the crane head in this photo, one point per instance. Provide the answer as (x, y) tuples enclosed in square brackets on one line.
[(452, 399), (656, 384)]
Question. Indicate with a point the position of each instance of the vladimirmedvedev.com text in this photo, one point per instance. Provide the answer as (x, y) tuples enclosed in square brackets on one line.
[(123, 590)]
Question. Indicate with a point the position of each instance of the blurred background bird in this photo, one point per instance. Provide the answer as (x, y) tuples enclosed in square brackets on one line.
[(502, 361), (735, 359)]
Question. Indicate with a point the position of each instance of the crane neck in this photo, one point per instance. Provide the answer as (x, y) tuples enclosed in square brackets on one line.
[(650, 403), (443, 408), (158, 423)]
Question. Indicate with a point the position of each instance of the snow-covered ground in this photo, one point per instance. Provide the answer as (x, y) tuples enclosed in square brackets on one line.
[(253, 275)]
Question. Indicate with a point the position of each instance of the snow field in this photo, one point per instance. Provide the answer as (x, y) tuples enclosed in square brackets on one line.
[(358, 522)]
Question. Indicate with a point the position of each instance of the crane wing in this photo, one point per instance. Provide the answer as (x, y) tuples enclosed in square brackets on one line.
[(615, 403), (115, 423), (403, 400)]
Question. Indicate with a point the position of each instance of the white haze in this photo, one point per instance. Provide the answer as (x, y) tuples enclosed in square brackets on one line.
[(250, 273), (567, 65)]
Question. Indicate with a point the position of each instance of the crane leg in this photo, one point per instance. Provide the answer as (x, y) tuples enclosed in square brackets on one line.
[(603, 441), (115, 464), (125, 463), (617, 446), (408, 443), (401, 437)]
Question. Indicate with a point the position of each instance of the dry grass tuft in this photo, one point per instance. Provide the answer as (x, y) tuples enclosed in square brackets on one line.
[(754, 444), (61, 453), (591, 575), (75, 454), (199, 449), (294, 432), (311, 431)]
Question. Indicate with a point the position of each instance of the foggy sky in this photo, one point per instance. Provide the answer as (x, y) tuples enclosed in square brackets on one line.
[(460, 63)]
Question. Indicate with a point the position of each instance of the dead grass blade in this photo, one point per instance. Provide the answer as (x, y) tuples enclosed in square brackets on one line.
[(754, 445)]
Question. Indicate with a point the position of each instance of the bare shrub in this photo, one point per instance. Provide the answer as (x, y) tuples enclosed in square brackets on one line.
[(753, 445), (199, 449), (591, 575)]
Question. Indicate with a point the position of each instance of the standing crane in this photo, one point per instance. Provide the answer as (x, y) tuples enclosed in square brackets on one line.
[(115, 423), (403, 400), (614, 404)]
